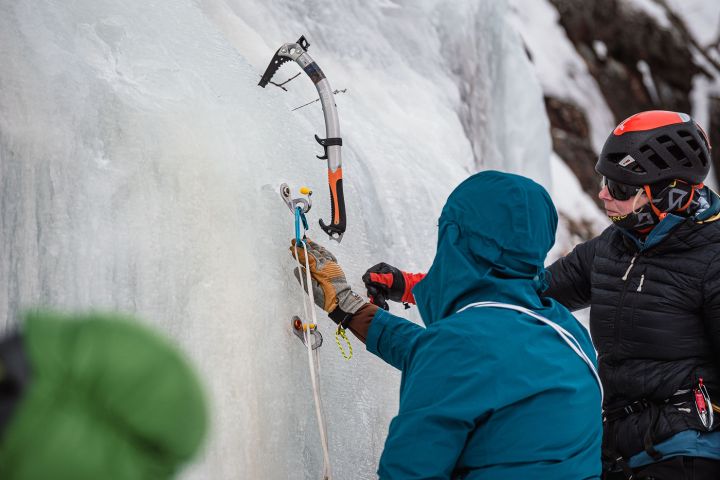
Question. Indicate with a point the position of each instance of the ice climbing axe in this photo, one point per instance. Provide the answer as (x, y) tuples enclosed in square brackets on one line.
[(332, 141)]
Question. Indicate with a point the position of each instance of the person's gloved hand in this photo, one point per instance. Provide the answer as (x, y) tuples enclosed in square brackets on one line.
[(385, 282), (330, 288)]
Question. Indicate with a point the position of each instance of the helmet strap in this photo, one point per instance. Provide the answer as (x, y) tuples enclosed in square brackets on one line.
[(664, 200), (660, 215), (640, 221)]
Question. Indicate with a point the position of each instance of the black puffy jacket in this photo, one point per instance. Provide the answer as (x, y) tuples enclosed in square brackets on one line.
[(655, 322)]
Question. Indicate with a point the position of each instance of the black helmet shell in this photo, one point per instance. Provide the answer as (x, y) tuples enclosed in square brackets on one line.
[(654, 146)]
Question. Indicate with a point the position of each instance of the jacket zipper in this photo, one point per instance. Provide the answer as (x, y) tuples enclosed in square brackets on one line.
[(622, 301)]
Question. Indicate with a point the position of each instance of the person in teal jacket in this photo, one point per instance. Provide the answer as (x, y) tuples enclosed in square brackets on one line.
[(500, 390)]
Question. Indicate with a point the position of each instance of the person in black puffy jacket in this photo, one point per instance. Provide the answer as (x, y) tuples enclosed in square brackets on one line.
[(652, 282)]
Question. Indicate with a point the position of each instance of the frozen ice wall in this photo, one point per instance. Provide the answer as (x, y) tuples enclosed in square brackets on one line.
[(140, 166)]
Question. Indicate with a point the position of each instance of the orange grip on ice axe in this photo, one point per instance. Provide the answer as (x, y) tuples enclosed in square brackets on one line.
[(336, 229), (337, 206)]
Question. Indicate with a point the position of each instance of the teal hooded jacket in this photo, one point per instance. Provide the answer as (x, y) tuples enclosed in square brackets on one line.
[(490, 393)]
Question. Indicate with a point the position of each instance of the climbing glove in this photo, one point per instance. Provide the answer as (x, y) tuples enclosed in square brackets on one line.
[(385, 282), (330, 288)]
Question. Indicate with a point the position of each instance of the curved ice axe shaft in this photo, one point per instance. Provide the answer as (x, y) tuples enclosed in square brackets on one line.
[(332, 142)]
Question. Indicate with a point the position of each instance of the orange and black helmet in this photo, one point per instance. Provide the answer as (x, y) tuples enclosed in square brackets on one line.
[(654, 146)]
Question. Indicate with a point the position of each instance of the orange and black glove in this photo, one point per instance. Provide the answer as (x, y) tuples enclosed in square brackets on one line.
[(385, 282), (330, 288)]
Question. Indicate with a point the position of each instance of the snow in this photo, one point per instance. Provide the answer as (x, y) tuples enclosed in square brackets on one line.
[(702, 18), (650, 7), (703, 89), (600, 49), (648, 81), (573, 205), (562, 72), (140, 165), (498, 92)]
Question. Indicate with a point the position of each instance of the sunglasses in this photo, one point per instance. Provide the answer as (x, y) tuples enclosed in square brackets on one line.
[(619, 191)]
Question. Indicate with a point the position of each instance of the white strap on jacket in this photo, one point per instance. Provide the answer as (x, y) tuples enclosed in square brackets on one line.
[(564, 334)]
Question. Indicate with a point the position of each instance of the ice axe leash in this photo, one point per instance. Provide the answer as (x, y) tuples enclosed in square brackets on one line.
[(307, 330), (333, 141)]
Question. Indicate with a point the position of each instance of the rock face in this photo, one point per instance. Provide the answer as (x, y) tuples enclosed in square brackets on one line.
[(571, 141), (638, 63), (714, 134)]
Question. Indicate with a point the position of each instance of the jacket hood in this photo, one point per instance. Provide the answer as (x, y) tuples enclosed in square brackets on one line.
[(494, 233)]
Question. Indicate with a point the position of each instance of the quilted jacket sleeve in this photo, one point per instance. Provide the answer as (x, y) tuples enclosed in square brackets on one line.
[(569, 277)]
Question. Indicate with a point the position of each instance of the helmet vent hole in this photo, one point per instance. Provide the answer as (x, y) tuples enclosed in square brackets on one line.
[(677, 153), (650, 154), (665, 140), (703, 158)]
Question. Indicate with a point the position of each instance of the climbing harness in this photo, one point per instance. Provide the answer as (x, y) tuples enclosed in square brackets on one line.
[(682, 400), (564, 334), (306, 329), (332, 142)]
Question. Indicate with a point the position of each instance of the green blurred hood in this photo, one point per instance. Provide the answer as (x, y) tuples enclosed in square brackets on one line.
[(108, 400)]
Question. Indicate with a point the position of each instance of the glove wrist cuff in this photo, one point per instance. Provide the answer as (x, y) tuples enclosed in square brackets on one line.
[(347, 307), (340, 317), (410, 280)]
